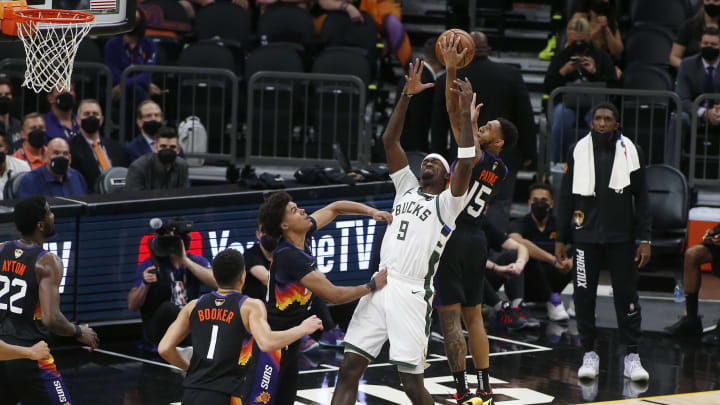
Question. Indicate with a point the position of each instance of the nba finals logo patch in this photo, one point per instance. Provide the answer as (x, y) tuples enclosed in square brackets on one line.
[(578, 218), (495, 165), (264, 397), (219, 301), (18, 253)]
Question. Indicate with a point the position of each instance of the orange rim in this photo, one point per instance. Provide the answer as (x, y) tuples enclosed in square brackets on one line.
[(53, 16)]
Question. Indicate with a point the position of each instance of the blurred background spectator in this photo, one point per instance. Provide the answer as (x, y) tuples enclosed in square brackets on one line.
[(55, 178), (60, 120), (161, 169), (9, 125), (688, 39), (32, 149), (9, 166)]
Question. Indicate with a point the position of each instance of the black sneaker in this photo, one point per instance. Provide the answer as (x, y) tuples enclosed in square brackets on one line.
[(517, 321), (713, 337), (529, 322), (478, 398), (686, 327)]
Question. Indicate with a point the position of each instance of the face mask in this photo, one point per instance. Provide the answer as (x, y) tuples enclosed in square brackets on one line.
[(65, 101), (540, 210), (167, 156), (2, 157), (709, 53), (713, 10), (5, 105), (151, 127), (36, 138), (59, 165), (578, 48), (268, 243), (607, 138), (90, 124)]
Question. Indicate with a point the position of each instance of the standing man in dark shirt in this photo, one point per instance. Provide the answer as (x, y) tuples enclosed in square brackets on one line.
[(545, 275), (257, 262), (224, 325), (294, 277), (30, 310), (604, 212)]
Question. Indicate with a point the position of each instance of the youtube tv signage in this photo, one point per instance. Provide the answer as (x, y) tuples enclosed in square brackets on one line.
[(101, 253)]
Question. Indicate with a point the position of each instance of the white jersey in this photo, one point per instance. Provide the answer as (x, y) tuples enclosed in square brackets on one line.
[(421, 225)]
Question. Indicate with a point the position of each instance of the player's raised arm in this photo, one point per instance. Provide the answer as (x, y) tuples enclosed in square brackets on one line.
[(328, 213), (452, 59), (396, 158), (466, 145)]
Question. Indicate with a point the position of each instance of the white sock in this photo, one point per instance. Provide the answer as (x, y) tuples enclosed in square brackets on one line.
[(516, 302)]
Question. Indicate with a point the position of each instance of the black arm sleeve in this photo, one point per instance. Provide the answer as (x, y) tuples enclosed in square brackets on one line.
[(565, 206), (638, 184)]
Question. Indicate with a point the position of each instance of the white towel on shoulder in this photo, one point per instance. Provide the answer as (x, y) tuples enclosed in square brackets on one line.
[(625, 162)]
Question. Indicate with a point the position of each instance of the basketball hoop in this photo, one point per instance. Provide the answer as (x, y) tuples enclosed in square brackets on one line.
[(51, 39)]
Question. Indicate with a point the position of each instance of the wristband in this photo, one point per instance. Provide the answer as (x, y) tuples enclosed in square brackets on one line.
[(78, 331), (464, 153), (407, 94), (645, 241), (371, 285), (555, 262)]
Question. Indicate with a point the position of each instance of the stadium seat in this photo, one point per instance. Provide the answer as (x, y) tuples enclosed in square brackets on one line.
[(668, 13), (649, 44), (224, 20), (168, 49), (668, 201), (172, 10), (343, 60), (209, 54), (282, 22), (12, 187), (111, 180), (338, 30), (275, 57), (646, 77)]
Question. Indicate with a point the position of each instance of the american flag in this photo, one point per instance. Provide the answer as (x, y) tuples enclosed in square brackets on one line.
[(103, 4)]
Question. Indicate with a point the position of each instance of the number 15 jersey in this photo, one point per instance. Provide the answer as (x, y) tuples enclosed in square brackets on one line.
[(488, 175), (421, 225)]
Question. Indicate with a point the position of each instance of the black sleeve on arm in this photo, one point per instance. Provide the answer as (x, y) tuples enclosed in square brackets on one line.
[(440, 124), (253, 257), (293, 266), (639, 187), (565, 206)]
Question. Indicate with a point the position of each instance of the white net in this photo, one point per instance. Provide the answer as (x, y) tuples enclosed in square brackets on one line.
[(50, 50)]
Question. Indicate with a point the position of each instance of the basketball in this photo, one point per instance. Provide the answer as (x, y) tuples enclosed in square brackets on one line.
[(466, 41)]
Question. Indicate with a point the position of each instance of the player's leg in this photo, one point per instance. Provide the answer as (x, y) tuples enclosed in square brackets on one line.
[(479, 349), (287, 376), (205, 397), (37, 382), (690, 324), (588, 261), (415, 388), (8, 394), (352, 368), (455, 345)]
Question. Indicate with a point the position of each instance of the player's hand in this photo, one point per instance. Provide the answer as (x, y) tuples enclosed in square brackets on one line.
[(89, 337), (642, 255), (519, 266), (310, 325), (448, 49), (560, 251), (382, 216), (148, 276), (380, 279), (414, 84), (39, 351), (464, 91), (475, 113), (354, 14)]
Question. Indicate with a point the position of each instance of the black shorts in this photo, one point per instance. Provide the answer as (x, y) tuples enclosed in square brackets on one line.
[(461, 271), (193, 396), (32, 383)]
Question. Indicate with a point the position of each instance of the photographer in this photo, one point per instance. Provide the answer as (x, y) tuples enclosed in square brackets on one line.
[(169, 279)]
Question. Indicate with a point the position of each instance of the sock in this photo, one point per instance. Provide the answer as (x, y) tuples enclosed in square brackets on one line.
[(691, 305), (483, 378), (499, 305), (461, 384), (516, 302)]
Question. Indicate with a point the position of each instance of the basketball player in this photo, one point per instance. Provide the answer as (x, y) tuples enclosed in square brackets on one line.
[(462, 266), (30, 308), (223, 325), (423, 218)]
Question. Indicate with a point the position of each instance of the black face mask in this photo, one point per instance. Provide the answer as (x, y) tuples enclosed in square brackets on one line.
[(268, 243), (36, 138), (5, 105), (713, 10), (709, 53), (605, 139), (65, 101), (90, 124), (167, 156), (2, 157), (540, 210), (579, 48), (151, 127), (59, 165)]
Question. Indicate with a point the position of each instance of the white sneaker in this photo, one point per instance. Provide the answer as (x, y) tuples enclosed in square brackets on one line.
[(633, 389), (591, 366), (557, 312), (571, 309), (634, 369), (589, 389)]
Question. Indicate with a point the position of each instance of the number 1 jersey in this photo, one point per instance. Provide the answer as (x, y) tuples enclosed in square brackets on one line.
[(488, 175), (421, 224)]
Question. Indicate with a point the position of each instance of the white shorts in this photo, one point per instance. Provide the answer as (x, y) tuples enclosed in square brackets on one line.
[(400, 313)]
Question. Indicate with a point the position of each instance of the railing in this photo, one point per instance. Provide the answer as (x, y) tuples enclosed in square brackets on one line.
[(92, 80), (297, 117), (648, 117), (704, 153), (210, 94)]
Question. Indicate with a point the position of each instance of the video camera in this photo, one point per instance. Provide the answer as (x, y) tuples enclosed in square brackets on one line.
[(169, 236)]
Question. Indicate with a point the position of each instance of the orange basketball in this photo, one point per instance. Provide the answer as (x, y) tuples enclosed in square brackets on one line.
[(466, 41)]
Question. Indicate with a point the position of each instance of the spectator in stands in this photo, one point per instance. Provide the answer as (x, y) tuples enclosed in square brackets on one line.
[(707, 251), (9, 166), (168, 280), (580, 61), (605, 33), (691, 32), (55, 178), (416, 133), (149, 120), (60, 120), (698, 74), (162, 169), (502, 89), (33, 137), (132, 48), (545, 275), (9, 125), (91, 153)]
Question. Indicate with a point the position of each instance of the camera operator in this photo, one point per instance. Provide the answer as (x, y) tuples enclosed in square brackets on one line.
[(169, 279)]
